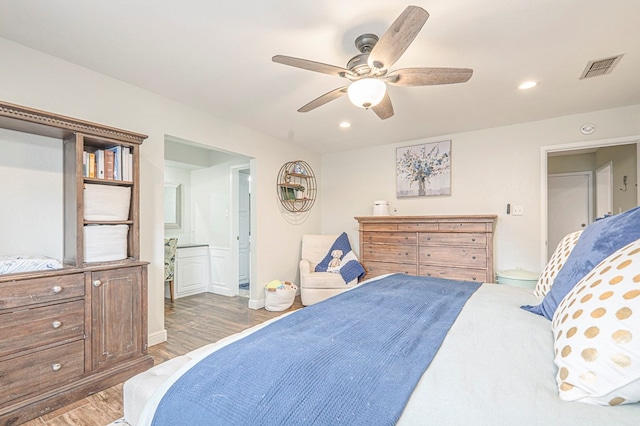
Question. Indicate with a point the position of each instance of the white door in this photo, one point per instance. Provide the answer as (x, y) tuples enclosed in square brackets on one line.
[(604, 190), (244, 226), (568, 207)]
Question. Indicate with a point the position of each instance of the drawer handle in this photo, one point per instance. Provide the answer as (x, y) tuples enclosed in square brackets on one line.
[(428, 254), (406, 253), (428, 274), (428, 238), (97, 283), (56, 367), (56, 324), (474, 278), (473, 239), (473, 257), (56, 289)]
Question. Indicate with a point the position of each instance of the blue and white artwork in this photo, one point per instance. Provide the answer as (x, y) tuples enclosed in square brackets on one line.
[(423, 170)]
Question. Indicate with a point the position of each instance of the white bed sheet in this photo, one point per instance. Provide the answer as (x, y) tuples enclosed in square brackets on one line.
[(494, 368)]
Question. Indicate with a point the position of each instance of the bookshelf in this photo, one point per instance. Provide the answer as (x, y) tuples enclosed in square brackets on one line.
[(77, 178), (97, 303)]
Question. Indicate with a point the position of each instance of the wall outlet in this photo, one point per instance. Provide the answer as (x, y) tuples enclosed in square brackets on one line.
[(395, 209), (517, 210)]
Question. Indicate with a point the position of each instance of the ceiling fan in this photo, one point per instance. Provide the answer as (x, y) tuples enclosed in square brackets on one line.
[(369, 71)]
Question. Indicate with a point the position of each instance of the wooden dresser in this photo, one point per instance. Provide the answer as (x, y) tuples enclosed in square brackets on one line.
[(456, 247)]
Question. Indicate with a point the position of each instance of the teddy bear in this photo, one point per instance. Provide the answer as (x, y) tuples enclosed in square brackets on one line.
[(335, 262)]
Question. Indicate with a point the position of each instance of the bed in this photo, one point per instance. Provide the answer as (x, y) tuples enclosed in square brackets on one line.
[(495, 366), (408, 350)]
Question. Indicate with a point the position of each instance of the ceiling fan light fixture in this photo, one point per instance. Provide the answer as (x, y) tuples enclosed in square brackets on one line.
[(366, 92)]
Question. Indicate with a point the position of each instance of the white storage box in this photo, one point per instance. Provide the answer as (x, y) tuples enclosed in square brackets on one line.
[(281, 298), (106, 202), (104, 243)]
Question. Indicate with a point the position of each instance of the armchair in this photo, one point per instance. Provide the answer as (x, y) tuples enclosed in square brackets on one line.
[(317, 286)]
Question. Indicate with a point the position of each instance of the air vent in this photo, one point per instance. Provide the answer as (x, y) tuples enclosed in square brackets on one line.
[(600, 67)]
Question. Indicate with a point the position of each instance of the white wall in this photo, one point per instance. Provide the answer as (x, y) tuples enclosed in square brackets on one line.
[(211, 202), (31, 191), (490, 168), (33, 79)]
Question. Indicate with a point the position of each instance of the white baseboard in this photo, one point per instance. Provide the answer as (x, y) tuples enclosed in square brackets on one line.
[(256, 304), (156, 338)]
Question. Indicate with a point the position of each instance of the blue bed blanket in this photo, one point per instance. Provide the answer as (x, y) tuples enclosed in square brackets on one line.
[(353, 359)]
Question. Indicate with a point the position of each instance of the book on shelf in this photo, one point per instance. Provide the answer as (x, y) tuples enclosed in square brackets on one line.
[(99, 164), (108, 164), (117, 162), (92, 164), (125, 163)]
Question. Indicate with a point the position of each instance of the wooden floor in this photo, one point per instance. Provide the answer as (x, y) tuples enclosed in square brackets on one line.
[(191, 322)]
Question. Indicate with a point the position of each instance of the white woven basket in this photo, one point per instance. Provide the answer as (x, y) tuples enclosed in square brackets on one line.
[(280, 299)]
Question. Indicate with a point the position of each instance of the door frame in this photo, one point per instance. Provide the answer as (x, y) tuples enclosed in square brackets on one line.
[(544, 150), (235, 229)]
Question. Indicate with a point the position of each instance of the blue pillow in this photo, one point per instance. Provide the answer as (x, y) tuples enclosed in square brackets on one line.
[(597, 242)]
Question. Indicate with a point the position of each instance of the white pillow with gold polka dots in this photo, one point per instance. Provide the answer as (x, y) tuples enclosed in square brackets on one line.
[(560, 255), (597, 333)]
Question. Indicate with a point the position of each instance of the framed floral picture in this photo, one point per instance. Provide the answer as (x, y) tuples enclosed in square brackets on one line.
[(423, 170)]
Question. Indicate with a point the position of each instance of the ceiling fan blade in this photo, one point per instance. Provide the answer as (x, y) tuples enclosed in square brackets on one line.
[(327, 97), (384, 109), (311, 65), (428, 76), (397, 38)]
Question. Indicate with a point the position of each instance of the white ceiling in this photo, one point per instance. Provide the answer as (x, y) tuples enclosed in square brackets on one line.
[(216, 56)]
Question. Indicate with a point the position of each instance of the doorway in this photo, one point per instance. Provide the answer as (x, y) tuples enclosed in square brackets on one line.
[(604, 190), (244, 231), (210, 182), (625, 196)]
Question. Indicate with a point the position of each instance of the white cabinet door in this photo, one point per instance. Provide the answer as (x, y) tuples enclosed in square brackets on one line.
[(192, 271)]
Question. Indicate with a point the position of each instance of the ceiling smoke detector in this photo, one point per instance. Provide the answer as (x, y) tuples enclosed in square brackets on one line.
[(600, 67)]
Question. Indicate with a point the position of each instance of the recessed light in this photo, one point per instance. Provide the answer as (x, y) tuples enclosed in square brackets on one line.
[(528, 85), (345, 124)]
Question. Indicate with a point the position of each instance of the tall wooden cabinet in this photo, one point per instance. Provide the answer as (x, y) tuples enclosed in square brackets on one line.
[(71, 332), (455, 247)]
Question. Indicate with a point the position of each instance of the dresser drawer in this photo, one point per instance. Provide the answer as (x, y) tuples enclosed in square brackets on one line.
[(38, 290), (463, 227), (454, 239), (390, 237), (462, 274), (467, 257), (379, 227), (373, 269), (396, 253), (40, 371), (31, 328), (418, 227)]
